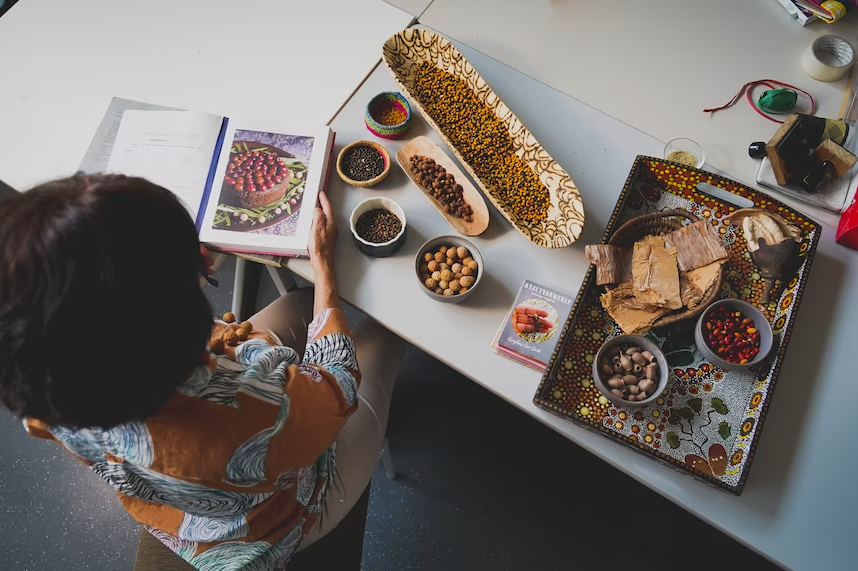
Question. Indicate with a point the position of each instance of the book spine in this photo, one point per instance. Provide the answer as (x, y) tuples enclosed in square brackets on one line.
[(201, 211)]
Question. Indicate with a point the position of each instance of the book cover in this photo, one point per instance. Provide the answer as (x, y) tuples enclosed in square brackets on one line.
[(530, 330), (799, 13)]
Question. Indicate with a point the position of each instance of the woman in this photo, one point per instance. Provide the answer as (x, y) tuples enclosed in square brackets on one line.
[(225, 452)]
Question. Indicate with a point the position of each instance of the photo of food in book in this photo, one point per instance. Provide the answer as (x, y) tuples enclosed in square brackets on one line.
[(534, 320), (264, 182)]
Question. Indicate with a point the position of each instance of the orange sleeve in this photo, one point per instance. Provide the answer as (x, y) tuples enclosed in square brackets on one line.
[(322, 394), (37, 428)]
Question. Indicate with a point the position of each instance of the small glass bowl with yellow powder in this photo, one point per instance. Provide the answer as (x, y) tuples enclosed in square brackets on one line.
[(685, 152), (388, 115)]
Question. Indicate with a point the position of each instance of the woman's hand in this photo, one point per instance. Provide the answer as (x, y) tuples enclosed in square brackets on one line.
[(209, 261), (323, 235)]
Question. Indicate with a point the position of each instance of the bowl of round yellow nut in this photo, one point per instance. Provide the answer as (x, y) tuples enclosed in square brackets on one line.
[(448, 268)]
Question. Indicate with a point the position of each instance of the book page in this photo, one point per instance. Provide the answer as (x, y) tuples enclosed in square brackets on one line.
[(173, 149), (98, 155)]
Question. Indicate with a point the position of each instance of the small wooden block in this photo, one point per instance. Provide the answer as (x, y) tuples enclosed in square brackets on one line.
[(778, 164), (830, 151)]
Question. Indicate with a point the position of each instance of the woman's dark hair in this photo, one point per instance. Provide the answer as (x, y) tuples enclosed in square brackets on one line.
[(101, 311)]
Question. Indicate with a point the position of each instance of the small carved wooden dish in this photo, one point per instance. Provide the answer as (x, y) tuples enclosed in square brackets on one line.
[(424, 146)]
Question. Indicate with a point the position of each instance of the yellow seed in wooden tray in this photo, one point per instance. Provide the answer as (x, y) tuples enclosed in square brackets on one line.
[(484, 142)]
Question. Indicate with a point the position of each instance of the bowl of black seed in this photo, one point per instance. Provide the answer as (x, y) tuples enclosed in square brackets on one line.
[(363, 163), (378, 227)]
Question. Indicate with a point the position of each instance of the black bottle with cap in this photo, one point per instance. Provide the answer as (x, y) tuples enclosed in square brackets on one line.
[(757, 150)]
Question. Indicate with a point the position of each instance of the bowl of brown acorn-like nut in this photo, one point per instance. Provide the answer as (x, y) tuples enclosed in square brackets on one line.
[(449, 268), (630, 370)]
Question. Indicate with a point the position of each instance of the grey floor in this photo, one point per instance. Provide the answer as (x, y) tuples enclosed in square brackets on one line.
[(467, 496)]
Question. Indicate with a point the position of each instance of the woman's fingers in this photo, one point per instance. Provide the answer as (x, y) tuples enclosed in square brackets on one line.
[(325, 204), (207, 258)]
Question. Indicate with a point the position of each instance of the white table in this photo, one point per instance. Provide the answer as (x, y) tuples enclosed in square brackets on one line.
[(61, 62), (654, 65), (799, 504), (413, 7)]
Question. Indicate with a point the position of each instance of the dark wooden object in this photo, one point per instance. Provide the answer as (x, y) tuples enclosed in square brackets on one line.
[(791, 148)]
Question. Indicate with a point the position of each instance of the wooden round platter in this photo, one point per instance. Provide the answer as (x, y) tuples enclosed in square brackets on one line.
[(424, 146)]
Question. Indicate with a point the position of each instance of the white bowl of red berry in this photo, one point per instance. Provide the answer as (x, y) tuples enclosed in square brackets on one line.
[(734, 335)]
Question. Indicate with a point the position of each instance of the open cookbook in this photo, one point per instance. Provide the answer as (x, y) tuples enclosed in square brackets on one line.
[(250, 187)]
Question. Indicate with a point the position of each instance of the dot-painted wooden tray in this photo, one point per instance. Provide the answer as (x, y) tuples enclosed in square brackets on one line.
[(708, 420), (406, 50)]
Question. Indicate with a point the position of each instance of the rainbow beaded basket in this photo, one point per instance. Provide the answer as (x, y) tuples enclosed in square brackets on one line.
[(378, 129)]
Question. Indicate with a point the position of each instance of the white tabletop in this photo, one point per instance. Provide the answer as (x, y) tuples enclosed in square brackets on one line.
[(61, 62), (654, 65), (799, 503), (413, 7)]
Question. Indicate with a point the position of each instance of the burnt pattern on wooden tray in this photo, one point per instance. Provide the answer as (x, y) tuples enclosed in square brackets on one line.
[(708, 420), (407, 49)]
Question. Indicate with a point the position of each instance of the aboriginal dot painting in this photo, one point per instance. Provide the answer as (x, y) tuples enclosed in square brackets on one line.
[(708, 420)]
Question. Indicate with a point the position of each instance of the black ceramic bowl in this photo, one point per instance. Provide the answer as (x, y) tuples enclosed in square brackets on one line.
[(383, 249)]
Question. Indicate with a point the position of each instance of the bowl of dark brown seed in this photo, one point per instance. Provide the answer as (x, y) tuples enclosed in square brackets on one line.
[(378, 227), (363, 163)]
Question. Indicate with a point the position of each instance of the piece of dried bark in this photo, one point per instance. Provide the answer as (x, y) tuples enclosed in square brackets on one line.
[(613, 265), (654, 274), (696, 245), (693, 285), (630, 319)]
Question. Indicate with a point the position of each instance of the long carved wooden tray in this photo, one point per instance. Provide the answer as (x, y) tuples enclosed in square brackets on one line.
[(407, 49)]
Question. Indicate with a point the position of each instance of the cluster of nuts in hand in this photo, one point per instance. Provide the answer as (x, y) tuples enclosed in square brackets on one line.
[(442, 186), (234, 334), (449, 270), (632, 374)]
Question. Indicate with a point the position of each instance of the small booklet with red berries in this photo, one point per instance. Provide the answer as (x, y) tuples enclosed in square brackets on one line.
[(249, 187), (530, 330)]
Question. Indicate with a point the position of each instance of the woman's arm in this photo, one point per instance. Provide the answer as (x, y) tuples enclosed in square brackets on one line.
[(323, 388), (323, 241)]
